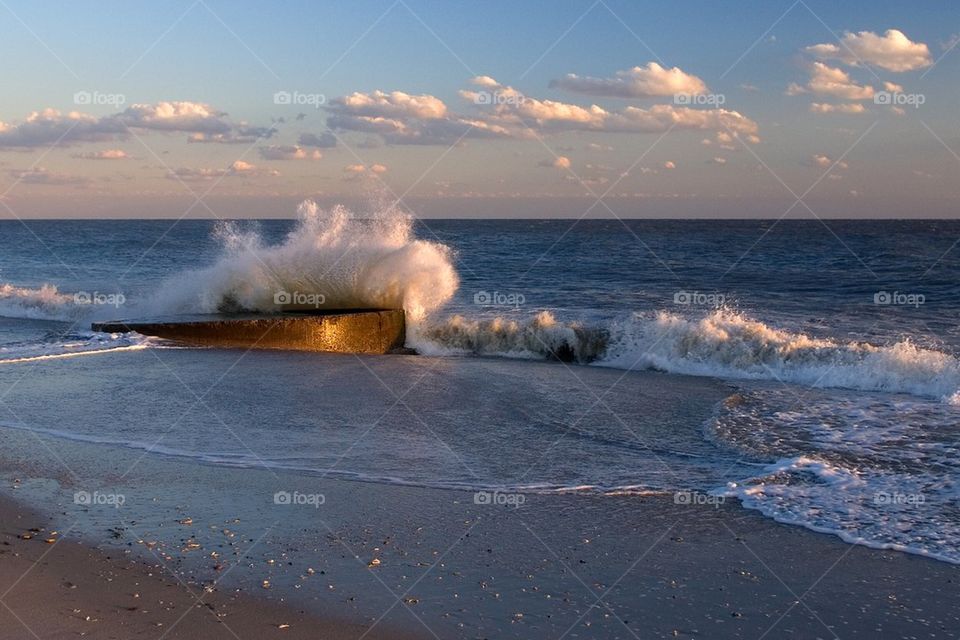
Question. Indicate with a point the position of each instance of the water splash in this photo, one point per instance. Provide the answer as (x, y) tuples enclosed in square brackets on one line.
[(333, 259)]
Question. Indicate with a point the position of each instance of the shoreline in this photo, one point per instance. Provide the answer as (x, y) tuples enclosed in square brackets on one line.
[(582, 565)]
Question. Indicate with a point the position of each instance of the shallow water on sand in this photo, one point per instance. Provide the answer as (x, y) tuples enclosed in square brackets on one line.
[(835, 348)]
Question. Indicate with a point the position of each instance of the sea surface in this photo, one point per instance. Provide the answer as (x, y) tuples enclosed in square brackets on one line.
[(809, 370)]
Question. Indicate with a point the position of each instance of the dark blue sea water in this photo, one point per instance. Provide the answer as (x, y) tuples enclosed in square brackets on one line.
[(808, 369)]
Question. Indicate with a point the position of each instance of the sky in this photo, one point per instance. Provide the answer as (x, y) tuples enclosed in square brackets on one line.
[(599, 108)]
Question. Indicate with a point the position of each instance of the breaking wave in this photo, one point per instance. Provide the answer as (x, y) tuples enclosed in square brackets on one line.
[(333, 259), (722, 344), (75, 345), (539, 337), (42, 303)]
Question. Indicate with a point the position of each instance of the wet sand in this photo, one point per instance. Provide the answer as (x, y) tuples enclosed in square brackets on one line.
[(54, 586), (427, 562)]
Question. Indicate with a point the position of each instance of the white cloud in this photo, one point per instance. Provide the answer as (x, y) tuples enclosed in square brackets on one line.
[(40, 175), (288, 152), (50, 126), (892, 87), (514, 115), (718, 160), (892, 51), (553, 116), (358, 171), (794, 89), (830, 81), (638, 82), (669, 164), (176, 116), (848, 108), (401, 118), (241, 134), (825, 161), (662, 117), (484, 81), (238, 168), (395, 104), (106, 154), (560, 162)]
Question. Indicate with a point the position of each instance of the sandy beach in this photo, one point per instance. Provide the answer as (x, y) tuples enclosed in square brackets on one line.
[(210, 556), (56, 587)]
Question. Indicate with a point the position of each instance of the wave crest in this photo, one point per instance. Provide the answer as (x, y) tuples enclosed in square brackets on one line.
[(721, 344), (351, 261), (539, 337), (43, 303)]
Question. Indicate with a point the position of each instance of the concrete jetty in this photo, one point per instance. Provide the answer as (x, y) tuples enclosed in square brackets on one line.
[(342, 331)]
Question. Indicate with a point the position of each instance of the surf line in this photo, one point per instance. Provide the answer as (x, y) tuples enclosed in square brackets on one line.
[(74, 354)]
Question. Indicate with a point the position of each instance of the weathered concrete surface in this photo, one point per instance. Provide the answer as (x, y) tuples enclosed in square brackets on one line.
[(349, 331)]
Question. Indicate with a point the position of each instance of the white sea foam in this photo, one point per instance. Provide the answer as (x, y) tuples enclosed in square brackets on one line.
[(349, 260), (873, 508), (536, 337), (721, 344), (41, 303), (85, 344)]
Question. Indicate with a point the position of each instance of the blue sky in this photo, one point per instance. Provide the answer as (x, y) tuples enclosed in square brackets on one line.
[(157, 75)]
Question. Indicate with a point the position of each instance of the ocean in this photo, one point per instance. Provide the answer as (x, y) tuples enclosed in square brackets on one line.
[(807, 369)]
